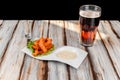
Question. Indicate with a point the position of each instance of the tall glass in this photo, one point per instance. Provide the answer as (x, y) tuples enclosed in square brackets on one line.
[(89, 17)]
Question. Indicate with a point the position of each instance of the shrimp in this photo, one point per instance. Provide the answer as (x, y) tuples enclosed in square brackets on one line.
[(48, 42), (48, 47), (42, 46), (35, 53), (35, 47), (36, 42)]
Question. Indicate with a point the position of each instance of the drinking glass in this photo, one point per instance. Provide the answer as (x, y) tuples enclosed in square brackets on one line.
[(89, 17)]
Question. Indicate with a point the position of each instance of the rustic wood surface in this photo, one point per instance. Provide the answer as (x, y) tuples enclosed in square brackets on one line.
[(101, 63)]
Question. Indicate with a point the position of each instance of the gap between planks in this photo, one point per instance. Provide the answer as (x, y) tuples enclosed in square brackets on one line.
[(73, 39), (41, 68), (2, 55), (57, 71), (114, 30), (109, 46)]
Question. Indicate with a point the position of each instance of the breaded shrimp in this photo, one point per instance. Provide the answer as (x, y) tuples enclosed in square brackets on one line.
[(35, 47), (35, 53), (48, 42), (48, 47), (42, 46), (36, 42)]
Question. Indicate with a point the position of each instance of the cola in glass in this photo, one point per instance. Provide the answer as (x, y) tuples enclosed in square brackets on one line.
[(89, 20)]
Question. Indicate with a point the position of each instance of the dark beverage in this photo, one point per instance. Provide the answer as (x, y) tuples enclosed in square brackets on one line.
[(89, 21)]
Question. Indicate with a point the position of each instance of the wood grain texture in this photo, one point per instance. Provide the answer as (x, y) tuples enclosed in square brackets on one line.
[(1, 21), (101, 63), (57, 70), (115, 27), (84, 72), (34, 69), (28, 29), (112, 44), (6, 32), (13, 59)]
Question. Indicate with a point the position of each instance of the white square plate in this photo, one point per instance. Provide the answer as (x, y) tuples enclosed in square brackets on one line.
[(66, 54)]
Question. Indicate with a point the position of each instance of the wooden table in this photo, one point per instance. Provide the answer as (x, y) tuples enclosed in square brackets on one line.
[(102, 62)]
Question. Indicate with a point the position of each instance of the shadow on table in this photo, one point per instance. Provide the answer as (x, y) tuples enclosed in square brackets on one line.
[(71, 30)]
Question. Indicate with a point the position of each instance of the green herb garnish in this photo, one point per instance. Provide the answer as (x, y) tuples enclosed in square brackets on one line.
[(29, 45)]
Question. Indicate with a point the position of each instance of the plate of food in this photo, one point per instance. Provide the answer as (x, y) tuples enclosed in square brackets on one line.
[(44, 49), (40, 48)]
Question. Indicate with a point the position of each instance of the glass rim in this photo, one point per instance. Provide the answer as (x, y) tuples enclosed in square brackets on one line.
[(93, 5)]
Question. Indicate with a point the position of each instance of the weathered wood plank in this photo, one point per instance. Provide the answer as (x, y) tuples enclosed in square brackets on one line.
[(101, 63), (111, 43), (11, 65), (57, 70), (115, 26), (7, 28), (28, 29), (24, 67), (1, 21), (34, 69), (40, 28), (84, 72)]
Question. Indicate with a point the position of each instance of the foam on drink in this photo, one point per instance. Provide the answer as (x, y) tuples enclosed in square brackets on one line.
[(89, 14)]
